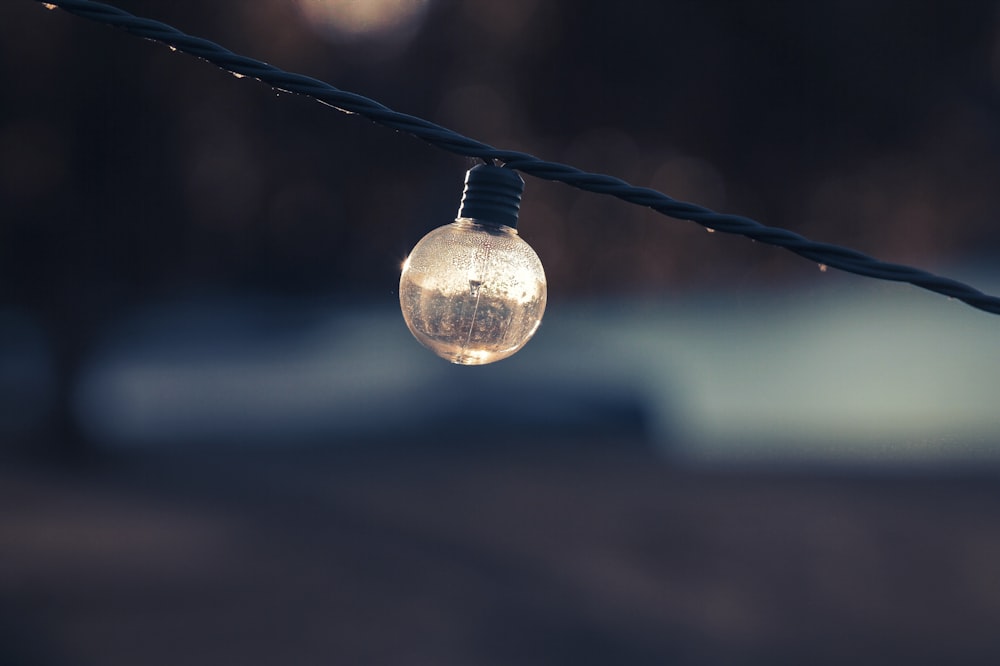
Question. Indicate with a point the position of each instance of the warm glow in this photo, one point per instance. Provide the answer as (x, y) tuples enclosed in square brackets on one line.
[(472, 294), (346, 19)]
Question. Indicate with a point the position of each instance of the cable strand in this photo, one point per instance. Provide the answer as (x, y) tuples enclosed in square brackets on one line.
[(826, 254)]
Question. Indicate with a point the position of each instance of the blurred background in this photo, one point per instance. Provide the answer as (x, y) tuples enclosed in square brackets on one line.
[(219, 443)]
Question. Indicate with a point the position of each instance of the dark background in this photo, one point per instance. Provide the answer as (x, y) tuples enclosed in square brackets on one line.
[(131, 175), (130, 170)]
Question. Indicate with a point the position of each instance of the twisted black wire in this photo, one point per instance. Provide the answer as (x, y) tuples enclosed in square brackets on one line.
[(826, 254)]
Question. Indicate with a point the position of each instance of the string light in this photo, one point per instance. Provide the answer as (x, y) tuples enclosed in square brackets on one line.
[(831, 256), (473, 291)]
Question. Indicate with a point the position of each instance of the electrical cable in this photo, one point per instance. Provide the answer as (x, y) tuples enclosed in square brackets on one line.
[(825, 254)]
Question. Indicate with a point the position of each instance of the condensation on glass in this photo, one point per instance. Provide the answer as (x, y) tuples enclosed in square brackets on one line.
[(472, 293)]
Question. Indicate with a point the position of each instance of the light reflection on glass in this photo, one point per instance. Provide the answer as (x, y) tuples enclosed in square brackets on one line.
[(471, 293)]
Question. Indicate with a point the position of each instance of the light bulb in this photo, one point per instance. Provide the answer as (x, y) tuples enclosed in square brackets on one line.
[(473, 291)]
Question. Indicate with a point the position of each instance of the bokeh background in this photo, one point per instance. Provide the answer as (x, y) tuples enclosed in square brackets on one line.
[(220, 443)]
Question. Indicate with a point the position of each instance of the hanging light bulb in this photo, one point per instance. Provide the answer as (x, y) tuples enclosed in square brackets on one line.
[(473, 291)]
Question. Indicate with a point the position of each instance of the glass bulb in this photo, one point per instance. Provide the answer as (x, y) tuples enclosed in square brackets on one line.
[(472, 293)]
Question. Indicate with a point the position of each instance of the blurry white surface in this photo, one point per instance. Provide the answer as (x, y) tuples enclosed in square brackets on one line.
[(877, 373)]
